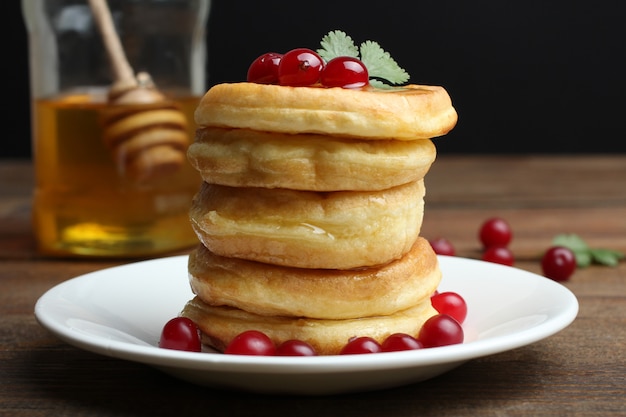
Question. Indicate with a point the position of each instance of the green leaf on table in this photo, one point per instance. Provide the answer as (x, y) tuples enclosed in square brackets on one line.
[(586, 255), (572, 241), (606, 256), (583, 259)]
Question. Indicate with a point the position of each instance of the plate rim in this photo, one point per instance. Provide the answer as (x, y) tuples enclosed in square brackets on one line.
[(157, 357)]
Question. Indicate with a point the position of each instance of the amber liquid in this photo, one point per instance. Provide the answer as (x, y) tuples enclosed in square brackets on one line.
[(83, 206)]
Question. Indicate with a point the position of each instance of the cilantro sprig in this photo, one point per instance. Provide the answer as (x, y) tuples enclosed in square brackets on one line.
[(586, 255), (380, 65)]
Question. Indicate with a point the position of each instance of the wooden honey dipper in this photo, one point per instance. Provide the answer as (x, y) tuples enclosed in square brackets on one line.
[(146, 133)]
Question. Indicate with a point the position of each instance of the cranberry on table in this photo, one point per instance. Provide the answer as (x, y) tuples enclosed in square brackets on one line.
[(359, 345), (558, 263), (495, 231), (181, 333), (251, 342), (440, 330), (450, 303), (499, 255), (442, 246)]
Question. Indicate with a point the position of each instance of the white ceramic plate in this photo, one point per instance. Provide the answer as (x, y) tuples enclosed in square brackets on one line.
[(119, 312)]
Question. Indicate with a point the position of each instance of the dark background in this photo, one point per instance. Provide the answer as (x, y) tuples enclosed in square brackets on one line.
[(524, 76)]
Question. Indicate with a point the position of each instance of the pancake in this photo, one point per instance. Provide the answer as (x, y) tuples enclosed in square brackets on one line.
[(306, 229), (326, 294), (249, 158), (219, 325), (405, 113)]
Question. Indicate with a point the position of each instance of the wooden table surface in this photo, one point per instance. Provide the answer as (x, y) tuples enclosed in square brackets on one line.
[(579, 371)]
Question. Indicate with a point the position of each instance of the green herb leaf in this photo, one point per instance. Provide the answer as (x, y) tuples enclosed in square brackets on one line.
[(583, 259), (380, 65), (379, 84), (572, 241), (606, 256), (337, 43), (585, 255)]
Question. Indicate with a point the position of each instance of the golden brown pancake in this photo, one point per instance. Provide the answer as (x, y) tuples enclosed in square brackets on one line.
[(316, 293), (249, 158), (405, 113), (307, 229), (219, 325), (310, 213)]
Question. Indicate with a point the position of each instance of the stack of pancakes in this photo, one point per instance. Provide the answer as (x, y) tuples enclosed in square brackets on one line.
[(310, 212)]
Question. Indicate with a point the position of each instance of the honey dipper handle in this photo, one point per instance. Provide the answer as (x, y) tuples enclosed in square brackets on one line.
[(121, 67)]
